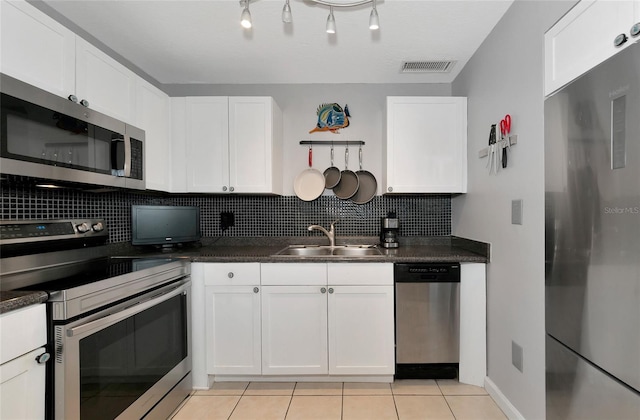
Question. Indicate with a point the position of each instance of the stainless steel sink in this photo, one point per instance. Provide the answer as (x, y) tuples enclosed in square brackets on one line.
[(329, 251)]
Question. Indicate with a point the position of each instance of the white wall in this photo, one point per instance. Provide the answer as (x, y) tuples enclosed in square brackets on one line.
[(299, 103), (506, 76)]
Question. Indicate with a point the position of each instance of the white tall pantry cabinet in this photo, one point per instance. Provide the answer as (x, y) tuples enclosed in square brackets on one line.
[(426, 145)]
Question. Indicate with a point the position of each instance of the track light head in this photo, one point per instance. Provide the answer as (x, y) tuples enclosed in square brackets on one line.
[(286, 13), (374, 20), (245, 16), (331, 22)]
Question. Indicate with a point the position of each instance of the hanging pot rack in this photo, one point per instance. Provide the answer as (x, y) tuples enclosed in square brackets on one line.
[(332, 143)]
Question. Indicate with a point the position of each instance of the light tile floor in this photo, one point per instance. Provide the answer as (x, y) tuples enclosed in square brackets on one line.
[(401, 400)]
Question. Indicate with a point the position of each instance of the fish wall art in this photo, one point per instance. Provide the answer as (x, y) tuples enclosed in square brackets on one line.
[(331, 117)]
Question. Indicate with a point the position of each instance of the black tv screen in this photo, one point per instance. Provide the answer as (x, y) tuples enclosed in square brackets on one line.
[(164, 225)]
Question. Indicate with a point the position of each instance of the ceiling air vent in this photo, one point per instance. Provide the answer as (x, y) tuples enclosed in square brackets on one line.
[(427, 66)]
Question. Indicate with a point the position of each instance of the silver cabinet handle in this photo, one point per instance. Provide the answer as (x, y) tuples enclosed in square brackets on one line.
[(331, 290), (224, 188), (43, 358), (323, 290), (619, 40), (73, 98), (635, 30), (232, 189), (390, 189), (256, 290), (84, 103), (230, 275)]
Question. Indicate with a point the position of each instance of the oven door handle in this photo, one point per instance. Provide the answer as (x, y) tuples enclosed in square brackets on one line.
[(139, 306)]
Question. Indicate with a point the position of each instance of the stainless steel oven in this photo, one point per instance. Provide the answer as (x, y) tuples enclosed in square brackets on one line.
[(118, 328)]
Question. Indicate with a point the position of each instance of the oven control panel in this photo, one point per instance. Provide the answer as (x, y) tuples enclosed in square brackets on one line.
[(37, 231)]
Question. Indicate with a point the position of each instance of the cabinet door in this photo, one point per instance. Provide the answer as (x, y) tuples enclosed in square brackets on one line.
[(107, 85), (22, 384), (233, 330), (583, 38), (36, 49), (178, 145), (361, 330), (253, 145), (207, 125), (153, 115), (426, 147), (294, 330)]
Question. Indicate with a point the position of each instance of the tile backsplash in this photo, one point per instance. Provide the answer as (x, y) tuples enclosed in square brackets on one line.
[(420, 215)]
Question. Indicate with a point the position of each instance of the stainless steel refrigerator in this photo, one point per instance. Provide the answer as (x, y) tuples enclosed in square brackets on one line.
[(592, 243)]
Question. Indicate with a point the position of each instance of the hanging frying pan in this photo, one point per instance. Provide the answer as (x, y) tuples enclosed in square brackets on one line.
[(309, 184), (348, 184), (332, 174), (367, 184)]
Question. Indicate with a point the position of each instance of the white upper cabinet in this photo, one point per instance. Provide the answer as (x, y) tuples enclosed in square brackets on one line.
[(426, 146), (36, 49), (585, 37), (153, 115), (207, 144), (107, 85), (255, 145), (233, 144)]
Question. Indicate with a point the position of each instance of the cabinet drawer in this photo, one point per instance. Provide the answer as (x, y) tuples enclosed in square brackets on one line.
[(354, 274), (231, 274), (303, 274), (22, 331)]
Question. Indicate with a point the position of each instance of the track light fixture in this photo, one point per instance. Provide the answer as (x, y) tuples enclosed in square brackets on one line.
[(374, 20), (286, 13), (245, 16), (331, 22)]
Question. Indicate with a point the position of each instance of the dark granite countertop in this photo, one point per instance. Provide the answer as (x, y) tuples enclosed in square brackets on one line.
[(264, 250), (12, 300)]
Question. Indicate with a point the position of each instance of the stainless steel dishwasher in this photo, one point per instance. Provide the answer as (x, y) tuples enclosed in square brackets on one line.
[(427, 320)]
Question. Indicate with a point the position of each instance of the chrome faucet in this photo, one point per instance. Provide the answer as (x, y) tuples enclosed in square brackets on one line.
[(331, 233)]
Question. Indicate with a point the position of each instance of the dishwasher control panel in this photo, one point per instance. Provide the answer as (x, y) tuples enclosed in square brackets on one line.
[(426, 272)]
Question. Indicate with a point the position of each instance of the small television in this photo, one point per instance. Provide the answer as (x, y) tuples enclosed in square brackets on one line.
[(164, 226)]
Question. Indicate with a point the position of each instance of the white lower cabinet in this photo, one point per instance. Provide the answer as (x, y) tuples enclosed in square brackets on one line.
[(341, 324), (22, 363), (233, 319), (296, 319), (361, 339), (294, 330)]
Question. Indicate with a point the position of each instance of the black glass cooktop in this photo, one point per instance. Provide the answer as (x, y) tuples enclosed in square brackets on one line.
[(79, 274)]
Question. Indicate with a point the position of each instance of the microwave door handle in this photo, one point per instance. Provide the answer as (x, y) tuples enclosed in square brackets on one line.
[(127, 156)]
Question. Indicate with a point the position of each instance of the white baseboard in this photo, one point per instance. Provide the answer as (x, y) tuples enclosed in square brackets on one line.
[(305, 378), (505, 405)]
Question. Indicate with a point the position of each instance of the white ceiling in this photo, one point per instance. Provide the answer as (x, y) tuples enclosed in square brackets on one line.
[(177, 41)]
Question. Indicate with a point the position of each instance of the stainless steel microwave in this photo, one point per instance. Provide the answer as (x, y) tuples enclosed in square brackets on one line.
[(49, 137)]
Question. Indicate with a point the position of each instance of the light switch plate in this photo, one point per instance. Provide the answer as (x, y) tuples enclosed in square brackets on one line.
[(516, 212), (516, 356)]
